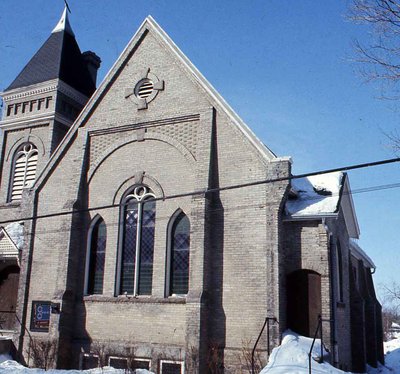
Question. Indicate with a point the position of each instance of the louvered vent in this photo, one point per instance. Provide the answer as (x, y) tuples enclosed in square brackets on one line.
[(144, 88), (24, 170)]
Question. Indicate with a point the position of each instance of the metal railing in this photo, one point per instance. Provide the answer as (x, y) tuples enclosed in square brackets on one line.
[(266, 323), (320, 358)]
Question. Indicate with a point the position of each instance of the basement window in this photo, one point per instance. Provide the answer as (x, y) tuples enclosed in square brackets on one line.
[(172, 367), (89, 361)]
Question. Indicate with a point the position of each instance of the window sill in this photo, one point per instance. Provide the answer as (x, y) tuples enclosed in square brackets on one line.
[(134, 299), (9, 205)]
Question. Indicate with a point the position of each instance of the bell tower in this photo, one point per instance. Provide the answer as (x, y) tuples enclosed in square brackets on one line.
[(40, 105)]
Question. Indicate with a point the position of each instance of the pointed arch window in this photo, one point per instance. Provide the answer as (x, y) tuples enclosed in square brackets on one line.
[(339, 271), (178, 256), (24, 170), (96, 257), (137, 252)]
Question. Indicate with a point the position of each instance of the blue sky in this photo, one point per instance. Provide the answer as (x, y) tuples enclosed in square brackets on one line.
[(284, 66)]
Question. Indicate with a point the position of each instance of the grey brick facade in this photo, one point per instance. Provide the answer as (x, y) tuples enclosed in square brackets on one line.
[(185, 145)]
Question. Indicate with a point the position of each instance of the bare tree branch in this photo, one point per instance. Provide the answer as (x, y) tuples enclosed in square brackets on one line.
[(379, 58)]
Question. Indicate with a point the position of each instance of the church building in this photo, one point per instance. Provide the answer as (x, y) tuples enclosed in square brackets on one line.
[(144, 225)]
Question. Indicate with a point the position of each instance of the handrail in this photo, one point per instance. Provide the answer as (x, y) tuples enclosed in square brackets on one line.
[(319, 328), (266, 322)]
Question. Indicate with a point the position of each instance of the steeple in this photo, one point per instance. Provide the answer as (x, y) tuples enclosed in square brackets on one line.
[(42, 103), (58, 58), (63, 24)]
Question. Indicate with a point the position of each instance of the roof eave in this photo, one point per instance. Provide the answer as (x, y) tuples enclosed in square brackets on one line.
[(348, 209), (360, 254), (309, 217)]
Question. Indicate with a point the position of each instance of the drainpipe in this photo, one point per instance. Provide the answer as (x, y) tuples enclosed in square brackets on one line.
[(331, 292)]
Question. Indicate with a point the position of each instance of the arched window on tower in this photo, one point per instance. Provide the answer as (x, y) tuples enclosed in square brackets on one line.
[(178, 255), (24, 170), (138, 216), (95, 258)]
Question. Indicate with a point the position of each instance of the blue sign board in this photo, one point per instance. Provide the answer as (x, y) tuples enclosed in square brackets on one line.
[(40, 318)]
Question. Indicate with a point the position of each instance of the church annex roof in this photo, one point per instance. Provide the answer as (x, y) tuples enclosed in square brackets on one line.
[(315, 195), (323, 195), (59, 57)]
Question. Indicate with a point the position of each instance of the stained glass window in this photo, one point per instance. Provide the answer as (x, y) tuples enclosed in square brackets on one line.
[(97, 258), (179, 255), (139, 214)]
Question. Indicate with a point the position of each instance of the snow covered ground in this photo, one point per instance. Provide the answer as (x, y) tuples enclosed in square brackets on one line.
[(290, 357), (8, 366)]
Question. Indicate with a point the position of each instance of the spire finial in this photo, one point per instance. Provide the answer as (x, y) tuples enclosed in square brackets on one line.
[(67, 6), (63, 24)]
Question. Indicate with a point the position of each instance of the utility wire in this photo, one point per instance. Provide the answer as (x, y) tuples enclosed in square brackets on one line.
[(315, 198), (227, 188)]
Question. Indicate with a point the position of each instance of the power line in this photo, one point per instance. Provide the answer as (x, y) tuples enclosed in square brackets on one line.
[(227, 188)]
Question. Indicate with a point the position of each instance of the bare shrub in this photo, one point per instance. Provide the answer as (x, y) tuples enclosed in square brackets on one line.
[(192, 360), (102, 351), (245, 357), (42, 353)]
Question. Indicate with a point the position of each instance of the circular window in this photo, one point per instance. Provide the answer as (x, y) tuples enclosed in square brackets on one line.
[(144, 88)]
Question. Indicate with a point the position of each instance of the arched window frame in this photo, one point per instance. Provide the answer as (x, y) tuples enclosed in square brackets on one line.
[(97, 220), (28, 170), (142, 194), (339, 271), (168, 281)]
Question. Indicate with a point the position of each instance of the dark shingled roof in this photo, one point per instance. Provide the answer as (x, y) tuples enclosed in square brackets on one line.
[(59, 57)]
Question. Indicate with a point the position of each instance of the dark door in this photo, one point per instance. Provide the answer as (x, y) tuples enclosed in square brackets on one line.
[(9, 278), (303, 301)]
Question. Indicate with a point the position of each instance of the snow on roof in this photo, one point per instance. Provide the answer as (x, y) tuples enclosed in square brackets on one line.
[(15, 231), (315, 195)]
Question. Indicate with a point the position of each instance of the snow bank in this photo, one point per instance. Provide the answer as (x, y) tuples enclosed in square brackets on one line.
[(315, 195), (392, 358), (292, 357), (8, 366)]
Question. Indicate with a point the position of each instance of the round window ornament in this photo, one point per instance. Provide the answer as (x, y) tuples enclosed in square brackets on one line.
[(145, 90)]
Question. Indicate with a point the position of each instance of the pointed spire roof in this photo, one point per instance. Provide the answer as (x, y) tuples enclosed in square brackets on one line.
[(63, 24), (59, 57)]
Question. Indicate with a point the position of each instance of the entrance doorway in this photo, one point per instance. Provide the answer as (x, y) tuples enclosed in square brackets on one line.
[(303, 301), (9, 278)]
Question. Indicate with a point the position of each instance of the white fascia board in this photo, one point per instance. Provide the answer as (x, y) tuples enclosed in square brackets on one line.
[(313, 217), (359, 254), (32, 90), (349, 213)]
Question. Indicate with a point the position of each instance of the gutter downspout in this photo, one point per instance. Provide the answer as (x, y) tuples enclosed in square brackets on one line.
[(331, 292)]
